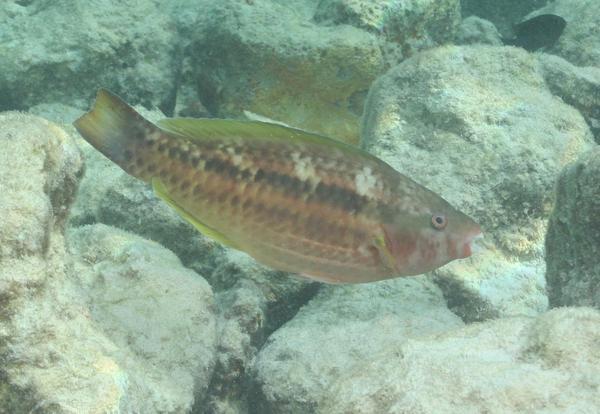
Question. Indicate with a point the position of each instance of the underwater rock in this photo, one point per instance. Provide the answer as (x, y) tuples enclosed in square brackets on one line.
[(40, 169), (577, 86), (477, 125), (580, 42), (241, 332), (475, 30), (63, 51), (336, 332), (513, 365), (62, 114), (283, 293), (254, 300), (406, 27), (159, 317), (503, 13), (573, 239), (268, 59), (96, 333)]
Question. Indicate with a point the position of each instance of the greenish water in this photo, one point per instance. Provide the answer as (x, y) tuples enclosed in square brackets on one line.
[(113, 300)]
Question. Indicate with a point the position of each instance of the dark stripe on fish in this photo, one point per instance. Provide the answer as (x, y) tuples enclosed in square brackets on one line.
[(220, 163)]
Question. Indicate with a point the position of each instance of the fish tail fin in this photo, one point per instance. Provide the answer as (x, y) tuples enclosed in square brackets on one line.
[(112, 126)]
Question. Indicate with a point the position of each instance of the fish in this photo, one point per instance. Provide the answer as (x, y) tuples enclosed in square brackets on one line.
[(538, 32), (296, 201)]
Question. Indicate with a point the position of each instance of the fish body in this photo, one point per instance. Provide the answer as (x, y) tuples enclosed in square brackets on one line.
[(293, 200), (538, 32)]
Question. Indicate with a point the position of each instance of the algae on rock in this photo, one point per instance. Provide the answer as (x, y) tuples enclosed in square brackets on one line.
[(336, 332), (63, 50), (545, 364)]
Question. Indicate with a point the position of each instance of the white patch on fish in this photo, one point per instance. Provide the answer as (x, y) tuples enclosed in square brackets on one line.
[(365, 182), (303, 167), (236, 159), (152, 136)]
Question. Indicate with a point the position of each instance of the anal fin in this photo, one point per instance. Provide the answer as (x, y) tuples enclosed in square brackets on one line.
[(161, 191)]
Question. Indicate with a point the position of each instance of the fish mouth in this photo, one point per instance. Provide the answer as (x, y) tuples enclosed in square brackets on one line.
[(474, 244)]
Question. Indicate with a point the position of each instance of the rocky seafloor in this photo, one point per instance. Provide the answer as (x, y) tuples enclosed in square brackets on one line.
[(111, 303)]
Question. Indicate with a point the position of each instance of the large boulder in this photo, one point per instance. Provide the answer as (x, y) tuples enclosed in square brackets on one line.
[(404, 27), (478, 125), (264, 57), (573, 239), (64, 50), (254, 301), (475, 30), (548, 364), (577, 86), (97, 329), (336, 332), (159, 317)]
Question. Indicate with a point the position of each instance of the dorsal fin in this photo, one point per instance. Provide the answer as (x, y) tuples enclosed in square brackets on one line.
[(216, 129)]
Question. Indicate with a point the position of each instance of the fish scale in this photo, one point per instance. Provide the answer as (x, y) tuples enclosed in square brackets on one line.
[(292, 200), (293, 203), (313, 210)]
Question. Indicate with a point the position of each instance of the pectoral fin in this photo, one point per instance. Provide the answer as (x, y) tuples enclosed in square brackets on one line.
[(385, 255), (161, 191)]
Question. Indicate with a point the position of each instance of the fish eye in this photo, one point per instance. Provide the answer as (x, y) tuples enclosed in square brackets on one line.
[(439, 221)]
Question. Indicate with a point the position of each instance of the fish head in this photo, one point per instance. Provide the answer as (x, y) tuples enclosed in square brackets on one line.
[(423, 241)]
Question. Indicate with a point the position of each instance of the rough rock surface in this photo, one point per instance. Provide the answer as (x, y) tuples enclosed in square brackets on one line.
[(577, 86), (241, 331), (159, 316), (573, 239), (580, 42), (475, 30), (266, 58), (405, 27), (549, 364), (337, 331), (47, 57), (478, 125), (96, 333), (253, 301)]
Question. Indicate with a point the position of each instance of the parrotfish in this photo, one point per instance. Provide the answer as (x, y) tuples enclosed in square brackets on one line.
[(294, 200)]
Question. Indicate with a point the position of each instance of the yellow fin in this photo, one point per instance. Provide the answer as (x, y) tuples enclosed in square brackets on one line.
[(195, 129), (161, 191), (384, 252)]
